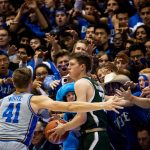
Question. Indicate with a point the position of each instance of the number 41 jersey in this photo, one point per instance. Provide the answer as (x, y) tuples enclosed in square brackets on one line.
[(17, 119)]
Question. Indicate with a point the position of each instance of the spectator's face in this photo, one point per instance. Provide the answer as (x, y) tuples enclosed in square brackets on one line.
[(101, 73), (103, 60), (41, 73), (123, 19), (25, 41), (90, 33), (4, 6), (112, 5), (101, 36), (21, 53), (70, 96), (4, 63), (121, 63), (80, 47), (117, 41), (4, 37), (61, 19), (145, 15), (89, 10), (38, 136), (35, 43), (62, 64), (33, 17), (136, 56), (141, 34), (142, 82), (144, 139), (69, 42), (10, 19), (127, 46), (147, 44)]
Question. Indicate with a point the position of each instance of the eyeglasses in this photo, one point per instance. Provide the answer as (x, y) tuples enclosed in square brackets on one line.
[(42, 74)]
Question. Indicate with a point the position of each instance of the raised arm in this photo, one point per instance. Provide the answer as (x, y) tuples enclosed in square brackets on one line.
[(126, 95), (32, 4)]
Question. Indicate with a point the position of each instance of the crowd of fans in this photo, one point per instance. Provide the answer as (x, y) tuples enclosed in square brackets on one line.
[(41, 34)]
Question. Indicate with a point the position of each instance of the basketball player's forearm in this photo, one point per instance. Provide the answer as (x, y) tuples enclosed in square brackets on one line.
[(142, 102), (75, 123), (85, 106), (76, 106)]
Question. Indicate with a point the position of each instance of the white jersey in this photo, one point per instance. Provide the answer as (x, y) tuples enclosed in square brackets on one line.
[(17, 119)]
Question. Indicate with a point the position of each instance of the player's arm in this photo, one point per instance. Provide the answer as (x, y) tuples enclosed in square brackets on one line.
[(38, 102), (142, 102), (81, 89), (80, 118), (127, 95)]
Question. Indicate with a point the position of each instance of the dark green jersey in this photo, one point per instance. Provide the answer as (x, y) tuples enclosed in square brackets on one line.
[(96, 118)]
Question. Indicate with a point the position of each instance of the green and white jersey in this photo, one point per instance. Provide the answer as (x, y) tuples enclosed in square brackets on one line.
[(95, 119)]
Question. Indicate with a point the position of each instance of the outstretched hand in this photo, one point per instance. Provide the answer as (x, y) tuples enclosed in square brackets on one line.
[(113, 104), (126, 95)]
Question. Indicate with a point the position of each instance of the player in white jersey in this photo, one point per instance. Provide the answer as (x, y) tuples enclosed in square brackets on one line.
[(18, 112)]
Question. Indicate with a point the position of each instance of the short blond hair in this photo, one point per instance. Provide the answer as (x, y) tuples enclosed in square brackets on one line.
[(146, 70), (22, 77)]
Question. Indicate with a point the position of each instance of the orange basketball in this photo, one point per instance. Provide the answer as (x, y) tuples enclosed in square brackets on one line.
[(51, 125)]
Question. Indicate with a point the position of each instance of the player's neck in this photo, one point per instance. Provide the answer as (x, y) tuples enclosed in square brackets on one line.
[(81, 76), (21, 90)]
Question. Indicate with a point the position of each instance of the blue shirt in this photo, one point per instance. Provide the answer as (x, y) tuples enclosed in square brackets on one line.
[(123, 126), (6, 89)]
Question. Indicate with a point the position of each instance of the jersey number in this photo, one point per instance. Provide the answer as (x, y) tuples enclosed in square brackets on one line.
[(8, 113)]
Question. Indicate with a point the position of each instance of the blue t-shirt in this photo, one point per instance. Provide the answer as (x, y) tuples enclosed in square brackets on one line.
[(6, 89), (122, 129)]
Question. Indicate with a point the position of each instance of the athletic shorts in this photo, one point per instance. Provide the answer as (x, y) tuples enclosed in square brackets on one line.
[(94, 141), (12, 145)]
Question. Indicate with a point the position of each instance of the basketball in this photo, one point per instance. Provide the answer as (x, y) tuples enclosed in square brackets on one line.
[(51, 125)]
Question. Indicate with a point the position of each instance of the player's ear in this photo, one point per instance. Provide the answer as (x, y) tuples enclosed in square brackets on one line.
[(13, 82), (83, 67)]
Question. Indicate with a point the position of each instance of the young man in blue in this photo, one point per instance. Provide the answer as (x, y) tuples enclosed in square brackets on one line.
[(18, 113), (6, 85)]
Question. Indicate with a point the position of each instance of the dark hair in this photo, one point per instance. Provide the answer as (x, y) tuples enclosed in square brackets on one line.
[(4, 53), (41, 48), (29, 50), (91, 25), (60, 53), (103, 26), (143, 5), (143, 127), (22, 77), (121, 11), (137, 46), (91, 3), (44, 66), (82, 58), (146, 28)]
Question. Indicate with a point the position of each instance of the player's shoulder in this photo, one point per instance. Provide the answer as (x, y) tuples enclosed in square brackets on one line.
[(82, 82)]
